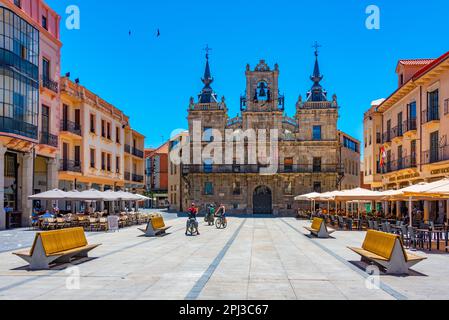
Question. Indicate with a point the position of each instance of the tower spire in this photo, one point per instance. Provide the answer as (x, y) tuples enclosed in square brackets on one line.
[(317, 93), (207, 79), (207, 95)]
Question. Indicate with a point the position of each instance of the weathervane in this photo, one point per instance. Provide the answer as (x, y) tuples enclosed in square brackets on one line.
[(316, 46), (207, 49)]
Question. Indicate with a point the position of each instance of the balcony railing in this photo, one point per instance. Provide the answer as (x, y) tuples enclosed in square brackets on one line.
[(378, 138), (386, 137), (397, 132), (127, 176), (138, 153), (400, 164), (18, 127), (70, 166), (134, 151), (435, 155), (49, 139), (297, 168), (409, 125), (429, 115), (71, 127), (137, 178), (49, 84)]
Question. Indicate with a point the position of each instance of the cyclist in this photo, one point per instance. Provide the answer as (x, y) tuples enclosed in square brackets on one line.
[(210, 213), (192, 212), (221, 212)]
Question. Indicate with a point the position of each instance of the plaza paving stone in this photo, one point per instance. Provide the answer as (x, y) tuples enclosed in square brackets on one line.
[(252, 259)]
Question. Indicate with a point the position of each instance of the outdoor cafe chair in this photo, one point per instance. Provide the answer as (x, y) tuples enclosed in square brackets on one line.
[(350, 223), (416, 238)]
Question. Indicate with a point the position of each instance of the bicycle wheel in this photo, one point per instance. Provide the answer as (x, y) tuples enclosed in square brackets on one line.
[(191, 229)]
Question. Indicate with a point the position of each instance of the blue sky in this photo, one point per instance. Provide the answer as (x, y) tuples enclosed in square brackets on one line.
[(151, 78)]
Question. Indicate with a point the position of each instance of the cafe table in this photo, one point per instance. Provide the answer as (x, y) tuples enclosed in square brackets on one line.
[(438, 234)]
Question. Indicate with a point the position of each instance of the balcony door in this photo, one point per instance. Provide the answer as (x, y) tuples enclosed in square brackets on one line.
[(45, 119), (77, 156), (65, 113), (400, 124), (77, 119), (45, 69), (434, 146)]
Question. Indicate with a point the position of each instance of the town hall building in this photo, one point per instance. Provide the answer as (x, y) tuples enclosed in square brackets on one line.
[(309, 146)]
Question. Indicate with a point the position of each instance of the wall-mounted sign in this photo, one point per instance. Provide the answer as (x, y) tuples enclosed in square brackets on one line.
[(439, 171), (405, 177)]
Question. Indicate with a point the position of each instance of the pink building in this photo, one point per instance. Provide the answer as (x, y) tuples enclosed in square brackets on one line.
[(30, 117)]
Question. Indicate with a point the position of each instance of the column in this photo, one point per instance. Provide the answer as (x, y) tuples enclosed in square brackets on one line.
[(447, 209), (398, 209), (52, 174), (2, 187), (27, 188), (426, 210)]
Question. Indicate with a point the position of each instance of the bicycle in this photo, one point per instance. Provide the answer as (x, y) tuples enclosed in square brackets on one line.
[(221, 222), (192, 228)]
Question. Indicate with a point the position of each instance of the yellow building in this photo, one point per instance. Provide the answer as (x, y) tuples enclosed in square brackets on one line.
[(134, 176), (98, 148), (176, 183), (408, 131), (350, 161)]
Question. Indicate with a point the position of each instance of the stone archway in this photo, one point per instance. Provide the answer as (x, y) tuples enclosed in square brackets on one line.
[(262, 200)]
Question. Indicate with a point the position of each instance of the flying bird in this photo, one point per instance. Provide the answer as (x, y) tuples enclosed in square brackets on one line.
[(130, 32), (158, 33)]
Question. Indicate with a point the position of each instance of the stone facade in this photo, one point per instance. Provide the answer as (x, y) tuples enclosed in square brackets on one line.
[(308, 147)]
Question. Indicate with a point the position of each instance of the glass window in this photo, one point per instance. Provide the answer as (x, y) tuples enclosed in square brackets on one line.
[(207, 135), (316, 133), (208, 188)]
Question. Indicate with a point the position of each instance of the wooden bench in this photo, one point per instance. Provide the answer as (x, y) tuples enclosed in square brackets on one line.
[(56, 246), (387, 251), (155, 227), (319, 228)]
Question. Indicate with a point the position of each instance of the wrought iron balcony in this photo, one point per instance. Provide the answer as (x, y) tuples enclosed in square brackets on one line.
[(134, 151), (435, 155), (70, 166), (397, 132), (386, 137), (71, 127), (409, 125), (432, 114), (46, 82), (18, 127), (256, 169), (400, 164), (137, 178), (49, 139), (127, 176), (138, 153)]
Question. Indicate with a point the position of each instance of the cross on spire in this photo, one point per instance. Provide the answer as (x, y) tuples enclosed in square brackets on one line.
[(316, 46), (207, 49)]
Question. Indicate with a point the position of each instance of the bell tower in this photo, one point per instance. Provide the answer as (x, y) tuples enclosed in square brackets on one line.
[(262, 105)]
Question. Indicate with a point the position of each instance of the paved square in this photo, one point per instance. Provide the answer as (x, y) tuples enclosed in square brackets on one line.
[(254, 258)]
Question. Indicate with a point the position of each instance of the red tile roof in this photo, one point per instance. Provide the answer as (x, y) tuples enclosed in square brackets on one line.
[(416, 62), (430, 66), (427, 67)]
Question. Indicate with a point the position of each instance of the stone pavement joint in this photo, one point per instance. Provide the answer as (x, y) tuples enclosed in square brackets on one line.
[(201, 283), (383, 286)]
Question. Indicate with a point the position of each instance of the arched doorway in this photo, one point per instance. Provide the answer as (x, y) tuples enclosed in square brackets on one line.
[(262, 200)]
